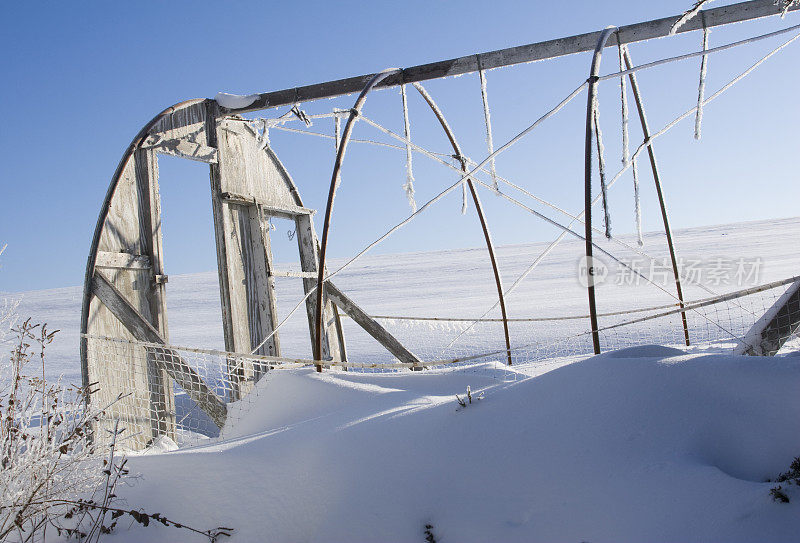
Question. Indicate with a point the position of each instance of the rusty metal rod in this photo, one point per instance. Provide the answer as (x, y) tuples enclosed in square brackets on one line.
[(337, 166), (590, 110), (657, 180), (478, 208)]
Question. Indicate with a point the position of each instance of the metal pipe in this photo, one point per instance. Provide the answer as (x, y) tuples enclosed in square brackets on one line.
[(590, 110), (348, 129), (486, 234), (657, 180), (647, 30)]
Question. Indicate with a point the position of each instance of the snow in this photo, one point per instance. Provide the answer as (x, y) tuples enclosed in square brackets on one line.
[(235, 101), (645, 443), (649, 444)]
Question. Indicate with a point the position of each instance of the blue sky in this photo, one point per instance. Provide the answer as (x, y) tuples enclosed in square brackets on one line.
[(82, 78)]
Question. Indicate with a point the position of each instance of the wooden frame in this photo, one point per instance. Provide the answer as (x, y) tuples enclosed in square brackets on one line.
[(125, 281)]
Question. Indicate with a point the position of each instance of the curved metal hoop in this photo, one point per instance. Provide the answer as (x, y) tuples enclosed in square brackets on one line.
[(337, 166), (478, 207), (590, 110)]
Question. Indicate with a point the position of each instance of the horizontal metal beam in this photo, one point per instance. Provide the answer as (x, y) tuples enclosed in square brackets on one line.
[(648, 30)]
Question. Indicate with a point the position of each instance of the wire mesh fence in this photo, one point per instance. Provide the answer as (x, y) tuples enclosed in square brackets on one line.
[(188, 395)]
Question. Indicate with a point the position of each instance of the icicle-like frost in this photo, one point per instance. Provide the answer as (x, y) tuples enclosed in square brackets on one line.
[(688, 15), (263, 139), (785, 5), (488, 121), (408, 187), (602, 167), (637, 203), (626, 155), (701, 88)]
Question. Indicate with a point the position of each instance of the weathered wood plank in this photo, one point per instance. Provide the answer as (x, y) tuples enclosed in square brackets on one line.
[(186, 121), (647, 30), (297, 274), (281, 211), (181, 148), (219, 216), (248, 169), (162, 401), (309, 260), (120, 231), (260, 232), (107, 259), (243, 248), (779, 323), (370, 325), (169, 360)]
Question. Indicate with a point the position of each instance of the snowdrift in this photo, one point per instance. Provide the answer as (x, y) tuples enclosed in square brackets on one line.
[(642, 444)]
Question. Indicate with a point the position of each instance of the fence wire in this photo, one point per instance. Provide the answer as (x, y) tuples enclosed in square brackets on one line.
[(182, 396)]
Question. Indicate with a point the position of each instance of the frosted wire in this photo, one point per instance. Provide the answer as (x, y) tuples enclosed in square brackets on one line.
[(645, 144), (488, 121), (701, 88), (601, 161), (536, 123), (688, 16), (408, 187), (626, 155), (637, 203)]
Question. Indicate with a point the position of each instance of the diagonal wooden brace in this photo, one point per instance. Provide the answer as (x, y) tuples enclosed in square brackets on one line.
[(371, 325), (168, 359)]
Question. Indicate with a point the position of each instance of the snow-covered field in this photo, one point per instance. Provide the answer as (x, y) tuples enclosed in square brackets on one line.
[(459, 283), (649, 443), (640, 445)]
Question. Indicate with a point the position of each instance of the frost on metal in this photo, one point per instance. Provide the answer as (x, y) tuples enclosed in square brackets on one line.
[(701, 88), (626, 155), (487, 116), (408, 186), (688, 15), (602, 167)]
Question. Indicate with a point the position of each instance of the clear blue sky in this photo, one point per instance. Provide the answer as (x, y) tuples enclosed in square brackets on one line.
[(80, 79)]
